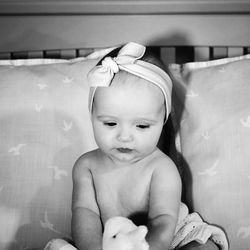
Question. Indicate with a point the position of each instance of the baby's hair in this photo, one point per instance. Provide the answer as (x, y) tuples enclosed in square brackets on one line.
[(149, 56)]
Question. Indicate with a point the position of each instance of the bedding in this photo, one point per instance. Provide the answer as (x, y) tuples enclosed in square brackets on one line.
[(211, 118), (44, 127)]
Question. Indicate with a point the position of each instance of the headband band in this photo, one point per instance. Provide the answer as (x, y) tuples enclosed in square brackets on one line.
[(128, 60)]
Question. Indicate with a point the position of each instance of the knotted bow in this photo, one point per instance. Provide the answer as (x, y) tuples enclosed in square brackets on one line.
[(128, 60), (102, 75)]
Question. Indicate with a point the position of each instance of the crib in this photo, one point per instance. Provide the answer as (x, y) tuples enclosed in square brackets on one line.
[(46, 50)]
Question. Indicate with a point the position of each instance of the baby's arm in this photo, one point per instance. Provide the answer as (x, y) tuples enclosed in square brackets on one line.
[(86, 223), (165, 197)]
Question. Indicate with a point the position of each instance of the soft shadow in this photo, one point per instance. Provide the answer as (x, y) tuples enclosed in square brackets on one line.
[(184, 53)]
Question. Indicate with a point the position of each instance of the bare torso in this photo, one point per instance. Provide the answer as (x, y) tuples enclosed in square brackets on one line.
[(123, 190)]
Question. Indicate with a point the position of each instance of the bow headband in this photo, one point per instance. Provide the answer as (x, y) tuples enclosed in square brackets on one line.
[(128, 60)]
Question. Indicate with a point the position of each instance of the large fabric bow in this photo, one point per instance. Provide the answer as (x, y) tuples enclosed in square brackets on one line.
[(102, 75)]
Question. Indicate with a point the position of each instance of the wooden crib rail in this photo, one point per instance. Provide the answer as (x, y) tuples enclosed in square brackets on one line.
[(189, 54), (178, 54), (57, 54)]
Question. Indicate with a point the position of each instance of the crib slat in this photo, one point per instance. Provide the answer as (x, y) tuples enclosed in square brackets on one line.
[(52, 54), (235, 51), (184, 54), (167, 55), (35, 54), (219, 52), (68, 54), (84, 52), (5, 56), (201, 54), (19, 55), (247, 50)]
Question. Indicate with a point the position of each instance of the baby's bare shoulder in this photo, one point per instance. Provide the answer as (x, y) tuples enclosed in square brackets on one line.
[(161, 159), (164, 166), (85, 162)]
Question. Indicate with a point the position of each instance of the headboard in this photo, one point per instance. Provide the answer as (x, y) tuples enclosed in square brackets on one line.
[(182, 30)]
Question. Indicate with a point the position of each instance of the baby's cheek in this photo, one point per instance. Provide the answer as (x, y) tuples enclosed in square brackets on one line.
[(103, 137), (149, 142)]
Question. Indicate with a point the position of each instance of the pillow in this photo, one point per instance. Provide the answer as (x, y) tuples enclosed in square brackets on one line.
[(44, 127), (211, 118)]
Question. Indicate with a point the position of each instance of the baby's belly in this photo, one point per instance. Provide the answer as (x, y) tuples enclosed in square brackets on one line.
[(122, 204)]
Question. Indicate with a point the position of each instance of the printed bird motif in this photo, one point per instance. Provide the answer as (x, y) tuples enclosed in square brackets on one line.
[(245, 122), (191, 94), (67, 125), (46, 224), (16, 149), (42, 86), (210, 171), (205, 135), (244, 232), (67, 80), (222, 70), (38, 107), (58, 173)]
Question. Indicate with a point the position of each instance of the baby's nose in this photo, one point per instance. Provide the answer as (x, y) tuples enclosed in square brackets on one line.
[(125, 135)]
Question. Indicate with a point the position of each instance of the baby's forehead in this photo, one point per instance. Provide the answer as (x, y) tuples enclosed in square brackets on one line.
[(127, 88), (126, 80)]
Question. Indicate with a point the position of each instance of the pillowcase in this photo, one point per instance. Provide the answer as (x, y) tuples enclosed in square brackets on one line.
[(211, 117), (44, 127)]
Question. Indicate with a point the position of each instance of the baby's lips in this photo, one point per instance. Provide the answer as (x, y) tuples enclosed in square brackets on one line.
[(124, 150)]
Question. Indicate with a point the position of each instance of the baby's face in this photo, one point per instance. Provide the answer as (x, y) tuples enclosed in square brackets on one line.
[(128, 119)]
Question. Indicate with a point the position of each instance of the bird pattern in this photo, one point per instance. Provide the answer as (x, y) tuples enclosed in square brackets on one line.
[(67, 79), (245, 122), (42, 86), (210, 171), (58, 173), (38, 107), (46, 224), (67, 125), (191, 94), (16, 150), (244, 232), (205, 135)]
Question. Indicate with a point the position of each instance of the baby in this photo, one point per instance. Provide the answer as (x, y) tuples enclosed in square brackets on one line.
[(128, 176)]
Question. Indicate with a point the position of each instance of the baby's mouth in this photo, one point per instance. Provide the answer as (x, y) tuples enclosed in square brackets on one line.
[(125, 150)]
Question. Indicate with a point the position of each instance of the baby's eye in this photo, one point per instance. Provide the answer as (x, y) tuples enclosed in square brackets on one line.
[(143, 126), (110, 124)]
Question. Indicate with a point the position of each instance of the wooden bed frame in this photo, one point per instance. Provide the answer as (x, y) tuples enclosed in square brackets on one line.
[(180, 30)]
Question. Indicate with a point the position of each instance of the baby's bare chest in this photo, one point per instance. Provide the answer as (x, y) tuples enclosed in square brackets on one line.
[(122, 192)]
